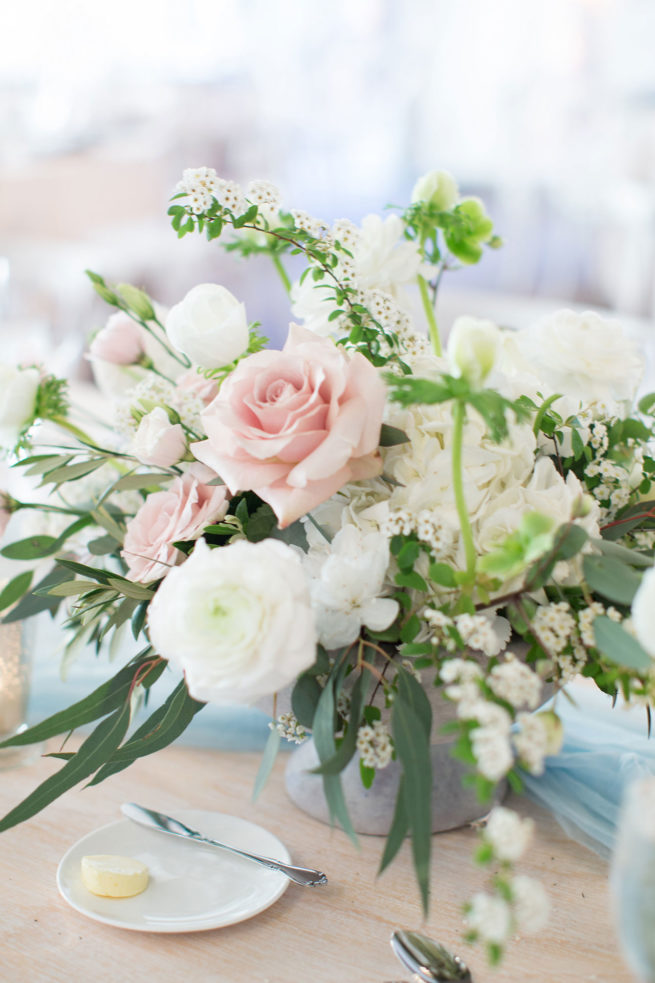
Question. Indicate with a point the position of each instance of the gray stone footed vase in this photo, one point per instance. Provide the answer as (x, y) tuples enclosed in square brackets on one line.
[(371, 810)]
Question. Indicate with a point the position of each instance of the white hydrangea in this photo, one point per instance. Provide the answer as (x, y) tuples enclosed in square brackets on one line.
[(347, 577), (508, 833), (516, 683), (531, 904), (489, 917), (374, 745)]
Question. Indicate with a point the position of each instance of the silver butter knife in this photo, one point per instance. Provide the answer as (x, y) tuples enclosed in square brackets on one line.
[(166, 824)]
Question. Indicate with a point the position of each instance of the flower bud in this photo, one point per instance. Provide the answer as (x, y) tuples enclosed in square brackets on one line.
[(438, 188), (137, 301), (473, 347), (157, 441), (553, 729), (120, 342), (209, 325)]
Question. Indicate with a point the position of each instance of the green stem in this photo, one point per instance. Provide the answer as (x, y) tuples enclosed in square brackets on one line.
[(433, 330), (65, 424), (459, 416), (284, 276)]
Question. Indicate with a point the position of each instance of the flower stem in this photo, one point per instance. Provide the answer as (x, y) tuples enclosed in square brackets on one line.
[(433, 329), (284, 276), (459, 416), (65, 424)]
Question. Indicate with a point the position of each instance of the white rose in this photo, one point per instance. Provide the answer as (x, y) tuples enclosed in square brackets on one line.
[(157, 441), (473, 347), (209, 325), (584, 356), (236, 620), (643, 612), (18, 389), (439, 188)]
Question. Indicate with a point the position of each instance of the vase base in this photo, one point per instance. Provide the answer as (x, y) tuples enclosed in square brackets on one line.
[(371, 810)]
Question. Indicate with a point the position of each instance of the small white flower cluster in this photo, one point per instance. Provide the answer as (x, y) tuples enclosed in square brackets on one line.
[(477, 631), (201, 184), (586, 618), (461, 677), (516, 683), (493, 919), (491, 739), (614, 488), (264, 193), (507, 833), (288, 727), (555, 625), (374, 745), (599, 438), (430, 527), (644, 538), (531, 741)]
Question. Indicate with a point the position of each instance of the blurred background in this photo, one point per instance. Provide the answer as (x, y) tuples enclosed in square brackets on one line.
[(547, 110)]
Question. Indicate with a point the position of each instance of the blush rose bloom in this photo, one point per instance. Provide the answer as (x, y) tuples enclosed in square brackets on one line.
[(179, 513), (296, 425), (236, 620)]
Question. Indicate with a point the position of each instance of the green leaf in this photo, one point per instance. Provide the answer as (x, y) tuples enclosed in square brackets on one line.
[(72, 472), (139, 618), (410, 629), (443, 574), (267, 762), (392, 436), (398, 831), (32, 603), (72, 587), (348, 746), (611, 577), (261, 523), (415, 697), (97, 704), (135, 482), (103, 545), (647, 403), (32, 548), (366, 774), (304, 699), (411, 579), (631, 557), (15, 589), (131, 589), (92, 754), (323, 729), (408, 554), (412, 746), (162, 728), (618, 646)]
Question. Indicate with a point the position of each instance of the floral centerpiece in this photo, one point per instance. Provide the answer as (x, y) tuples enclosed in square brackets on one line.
[(360, 513)]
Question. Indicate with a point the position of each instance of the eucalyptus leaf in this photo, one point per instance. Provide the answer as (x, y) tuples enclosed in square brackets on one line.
[(323, 728), (268, 760), (618, 646), (631, 557), (611, 577), (304, 699), (398, 831), (392, 436), (15, 589), (31, 548), (33, 603), (348, 746), (92, 754)]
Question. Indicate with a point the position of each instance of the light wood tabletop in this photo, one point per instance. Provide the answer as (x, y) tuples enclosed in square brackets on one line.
[(311, 935)]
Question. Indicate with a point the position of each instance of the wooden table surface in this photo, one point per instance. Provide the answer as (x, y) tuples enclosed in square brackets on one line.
[(324, 935)]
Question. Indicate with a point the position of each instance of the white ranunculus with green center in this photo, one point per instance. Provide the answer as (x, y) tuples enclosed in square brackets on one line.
[(18, 389), (236, 620)]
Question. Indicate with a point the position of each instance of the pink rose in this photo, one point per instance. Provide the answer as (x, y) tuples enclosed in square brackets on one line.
[(296, 425), (197, 384), (120, 341), (157, 441), (166, 517)]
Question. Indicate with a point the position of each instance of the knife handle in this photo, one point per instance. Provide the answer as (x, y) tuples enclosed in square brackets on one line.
[(299, 875)]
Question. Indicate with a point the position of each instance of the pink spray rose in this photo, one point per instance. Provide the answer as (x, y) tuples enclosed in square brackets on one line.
[(120, 342), (157, 441), (198, 385), (179, 513), (296, 425)]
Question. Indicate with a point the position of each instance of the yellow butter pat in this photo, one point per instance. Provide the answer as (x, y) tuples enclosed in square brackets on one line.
[(114, 877)]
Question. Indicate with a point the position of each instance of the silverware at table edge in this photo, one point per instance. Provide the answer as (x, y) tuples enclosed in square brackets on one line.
[(430, 961), (166, 824)]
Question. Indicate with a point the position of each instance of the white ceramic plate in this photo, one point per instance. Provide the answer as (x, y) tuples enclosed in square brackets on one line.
[(192, 887)]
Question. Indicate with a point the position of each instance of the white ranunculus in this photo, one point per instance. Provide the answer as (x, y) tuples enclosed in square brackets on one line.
[(157, 441), (347, 577), (236, 620), (209, 325), (585, 356), (473, 347), (18, 389), (643, 612), (439, 188)]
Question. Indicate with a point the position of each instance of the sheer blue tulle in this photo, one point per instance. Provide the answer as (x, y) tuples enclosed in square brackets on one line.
[(604, 750)]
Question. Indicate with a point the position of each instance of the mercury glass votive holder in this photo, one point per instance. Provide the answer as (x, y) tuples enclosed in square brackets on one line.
[(15, 658)]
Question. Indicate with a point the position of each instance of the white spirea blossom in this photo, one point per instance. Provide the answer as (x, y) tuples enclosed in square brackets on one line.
[(490, 741), (287, 726), (643, 612), (347, 577), (555, 625), (487, 632), (18, 389), (374, 745), (201, 184), (531, 904), (490, 917), (264, 193), (209, 325), (531, 741), (236, 621), (508, 833), (516, 683)]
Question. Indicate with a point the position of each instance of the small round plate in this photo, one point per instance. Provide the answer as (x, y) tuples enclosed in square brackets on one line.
[(192, 887)]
